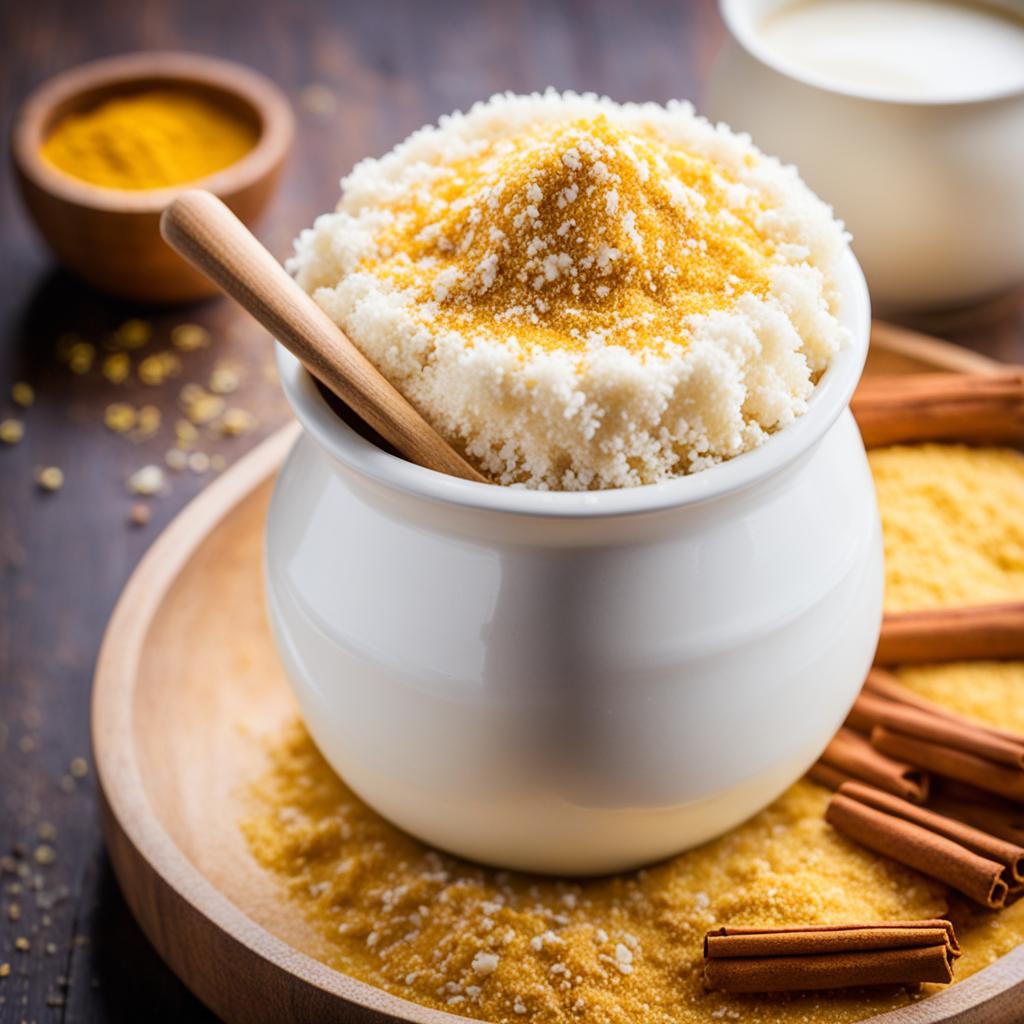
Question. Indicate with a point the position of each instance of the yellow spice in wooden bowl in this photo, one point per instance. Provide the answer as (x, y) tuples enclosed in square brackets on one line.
[(153, 139)]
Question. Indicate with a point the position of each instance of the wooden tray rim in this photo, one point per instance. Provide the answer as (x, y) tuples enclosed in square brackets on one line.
[(135, 834)]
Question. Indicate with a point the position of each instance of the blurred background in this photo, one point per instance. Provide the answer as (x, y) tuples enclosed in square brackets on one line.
[(75, 516)]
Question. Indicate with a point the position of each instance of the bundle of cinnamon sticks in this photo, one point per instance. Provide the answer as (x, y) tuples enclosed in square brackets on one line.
[(971, 837), (983, 867), (826, 956), (925, 787), (913, 781)]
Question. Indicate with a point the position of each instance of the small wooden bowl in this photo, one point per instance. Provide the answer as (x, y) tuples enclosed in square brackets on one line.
[(111, 237)]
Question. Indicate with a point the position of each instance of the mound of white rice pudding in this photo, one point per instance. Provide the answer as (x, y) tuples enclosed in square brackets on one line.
[(580, 294)]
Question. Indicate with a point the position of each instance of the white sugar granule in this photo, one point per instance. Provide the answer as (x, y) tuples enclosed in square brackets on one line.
[(485, 963)]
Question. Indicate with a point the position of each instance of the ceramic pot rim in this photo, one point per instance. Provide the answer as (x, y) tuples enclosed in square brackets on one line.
[(830, 398)]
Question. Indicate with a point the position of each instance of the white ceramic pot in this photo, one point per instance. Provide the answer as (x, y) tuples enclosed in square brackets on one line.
[(932, 191), (577, 682)]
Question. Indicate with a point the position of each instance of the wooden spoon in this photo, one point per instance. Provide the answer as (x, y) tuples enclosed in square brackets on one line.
[(206, 233)]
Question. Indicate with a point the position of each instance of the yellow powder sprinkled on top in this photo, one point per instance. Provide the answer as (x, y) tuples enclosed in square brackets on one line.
[(953, 524), (561, 236), (149, 140)]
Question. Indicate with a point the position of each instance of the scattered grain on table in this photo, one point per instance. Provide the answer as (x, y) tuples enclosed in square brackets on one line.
[(116, 367), (133, 333), (235, 422), (176, 459), (50, 478), (159, 367), (224, 379), (190, 337), (318, 99), (146, 481), (138, 353), (140, 514), (148, 423), (199, 405), (120, 417), (80, 358), (11, 431)]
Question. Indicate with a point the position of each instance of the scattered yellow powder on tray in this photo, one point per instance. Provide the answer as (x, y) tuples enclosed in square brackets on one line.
[(152, 139), (504, 947), (953, 524), (587, 231)]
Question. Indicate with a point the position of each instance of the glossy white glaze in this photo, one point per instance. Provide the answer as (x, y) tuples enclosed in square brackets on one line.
[(929, 185), (577, 683)]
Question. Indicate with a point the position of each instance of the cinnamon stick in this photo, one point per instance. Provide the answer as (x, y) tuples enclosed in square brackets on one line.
[(1003, 818), (829, 956), (867, 712), (851, 756), (962, 734), (912, 729), (941, 406), (828, 776), (982, 867), (951, 760), (882, 687), (953, 634)]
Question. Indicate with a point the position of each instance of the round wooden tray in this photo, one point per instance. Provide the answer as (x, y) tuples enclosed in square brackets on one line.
[(187, 682)]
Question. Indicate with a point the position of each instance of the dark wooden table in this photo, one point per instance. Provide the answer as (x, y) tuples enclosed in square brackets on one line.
[(379, 70)]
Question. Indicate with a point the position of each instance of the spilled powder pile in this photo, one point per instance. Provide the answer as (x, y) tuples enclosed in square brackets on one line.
[(953, 525), (508, 947), (580, 294), (505, 947)]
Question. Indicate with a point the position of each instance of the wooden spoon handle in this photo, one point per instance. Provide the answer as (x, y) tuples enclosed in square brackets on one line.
[(205, 232)]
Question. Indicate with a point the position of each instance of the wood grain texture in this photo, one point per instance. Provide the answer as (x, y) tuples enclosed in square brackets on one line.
[(187, 648), (203, 230), (391, 66)]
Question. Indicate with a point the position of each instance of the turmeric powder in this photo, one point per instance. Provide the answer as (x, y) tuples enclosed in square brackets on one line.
[(148, 140)]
